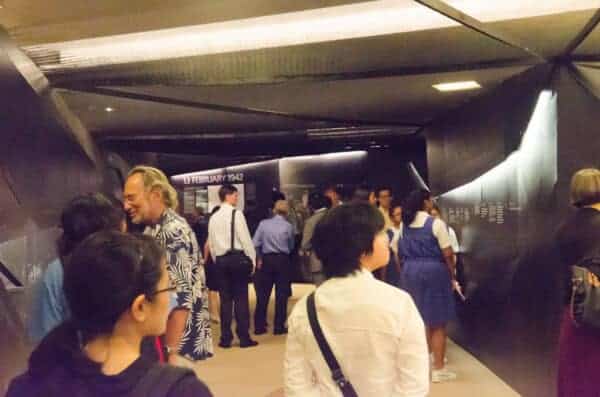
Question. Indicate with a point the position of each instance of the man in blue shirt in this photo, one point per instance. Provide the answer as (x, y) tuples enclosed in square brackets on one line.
[(274, 241)]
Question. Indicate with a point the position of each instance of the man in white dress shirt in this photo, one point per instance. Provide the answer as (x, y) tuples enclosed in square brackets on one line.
[(374, 329), (233, 265)]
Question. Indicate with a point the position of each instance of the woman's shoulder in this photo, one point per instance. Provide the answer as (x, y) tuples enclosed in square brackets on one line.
[(189, 385), (579, 223), (171, 381), (149, 378)]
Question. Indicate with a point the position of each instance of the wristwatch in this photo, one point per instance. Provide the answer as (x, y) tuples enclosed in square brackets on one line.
[(170, 350)]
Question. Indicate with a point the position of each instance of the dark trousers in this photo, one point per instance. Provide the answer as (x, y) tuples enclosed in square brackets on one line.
[(275, 269), (233, 275)]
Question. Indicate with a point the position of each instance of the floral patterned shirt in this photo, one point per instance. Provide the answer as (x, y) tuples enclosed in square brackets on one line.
[(184, 263)]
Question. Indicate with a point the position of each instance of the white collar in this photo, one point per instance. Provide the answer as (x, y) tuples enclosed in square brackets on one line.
[(358, 274)]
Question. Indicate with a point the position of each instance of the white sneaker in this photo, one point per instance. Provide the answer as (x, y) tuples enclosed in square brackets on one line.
[(442, 375)]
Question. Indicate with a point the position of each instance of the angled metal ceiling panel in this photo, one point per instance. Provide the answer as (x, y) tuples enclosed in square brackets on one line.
[(444, 49), (388, 99), (589, 76), (591, 45)]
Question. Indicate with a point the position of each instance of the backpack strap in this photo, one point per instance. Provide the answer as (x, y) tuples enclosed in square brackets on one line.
[(159, 380), (336, 372)]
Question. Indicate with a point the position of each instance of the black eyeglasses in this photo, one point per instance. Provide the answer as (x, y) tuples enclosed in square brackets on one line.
[(171, 287)]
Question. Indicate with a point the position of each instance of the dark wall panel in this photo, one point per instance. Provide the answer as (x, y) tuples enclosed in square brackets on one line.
[(494, 166), (472, 139), (579, 124), (41, 168), (260, 179), (297, 175)]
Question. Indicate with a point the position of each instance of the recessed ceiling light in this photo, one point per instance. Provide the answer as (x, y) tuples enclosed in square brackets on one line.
[(457, 86), (109, 109)]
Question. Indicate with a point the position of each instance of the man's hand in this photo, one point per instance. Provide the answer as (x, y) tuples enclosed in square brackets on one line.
[(258, 264), (176, 327), (456, 287)]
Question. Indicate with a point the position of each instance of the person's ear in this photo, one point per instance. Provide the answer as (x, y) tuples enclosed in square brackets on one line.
[(155, 194), (139, 308), (365, 259)]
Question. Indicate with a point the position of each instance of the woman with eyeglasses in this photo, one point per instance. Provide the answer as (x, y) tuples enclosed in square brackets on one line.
[(117, 288)]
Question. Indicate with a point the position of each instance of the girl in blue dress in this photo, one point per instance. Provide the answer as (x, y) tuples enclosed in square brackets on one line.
[(428, 274)]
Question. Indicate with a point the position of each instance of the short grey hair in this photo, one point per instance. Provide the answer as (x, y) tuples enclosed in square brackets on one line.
[(281, 207), (154, 178), (585, 187)]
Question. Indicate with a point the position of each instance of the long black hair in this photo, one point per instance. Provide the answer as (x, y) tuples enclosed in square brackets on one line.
[(105, 273), (412, 204)]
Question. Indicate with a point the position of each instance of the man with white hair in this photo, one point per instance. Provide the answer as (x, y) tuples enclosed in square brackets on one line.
[(150, 200), (274, 241)]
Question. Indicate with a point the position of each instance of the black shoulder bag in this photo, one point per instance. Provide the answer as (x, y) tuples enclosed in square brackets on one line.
[(244, 260), (336, 372), (585, 293)]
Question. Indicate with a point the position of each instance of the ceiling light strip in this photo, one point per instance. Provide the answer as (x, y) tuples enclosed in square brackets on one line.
[(457, 86)]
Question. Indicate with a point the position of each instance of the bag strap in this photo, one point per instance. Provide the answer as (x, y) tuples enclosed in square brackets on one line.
[(232, 228), (336, 372), (159, 380)]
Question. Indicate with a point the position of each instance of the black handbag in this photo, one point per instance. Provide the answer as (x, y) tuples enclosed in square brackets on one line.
[(336, 372), (585, 294), (239, 255)]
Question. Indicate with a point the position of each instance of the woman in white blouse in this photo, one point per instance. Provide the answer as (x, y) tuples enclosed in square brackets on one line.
[(373, 328)]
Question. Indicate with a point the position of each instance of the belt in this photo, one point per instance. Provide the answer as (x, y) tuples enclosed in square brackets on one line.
[(276, 253), (231, 253)]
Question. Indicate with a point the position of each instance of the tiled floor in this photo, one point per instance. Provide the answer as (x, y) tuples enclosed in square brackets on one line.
[(257, 372)]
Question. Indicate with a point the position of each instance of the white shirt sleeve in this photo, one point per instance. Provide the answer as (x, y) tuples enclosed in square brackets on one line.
[(440, 231), (298, 377), (211, 240), (453, 240), (243, 234), (412, 360)]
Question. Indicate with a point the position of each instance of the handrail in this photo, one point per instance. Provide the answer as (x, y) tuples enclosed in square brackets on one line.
[(5, 271)]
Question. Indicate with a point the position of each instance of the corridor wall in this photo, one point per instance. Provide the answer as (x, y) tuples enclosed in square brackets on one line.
[(500, 167), (42, 166)]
